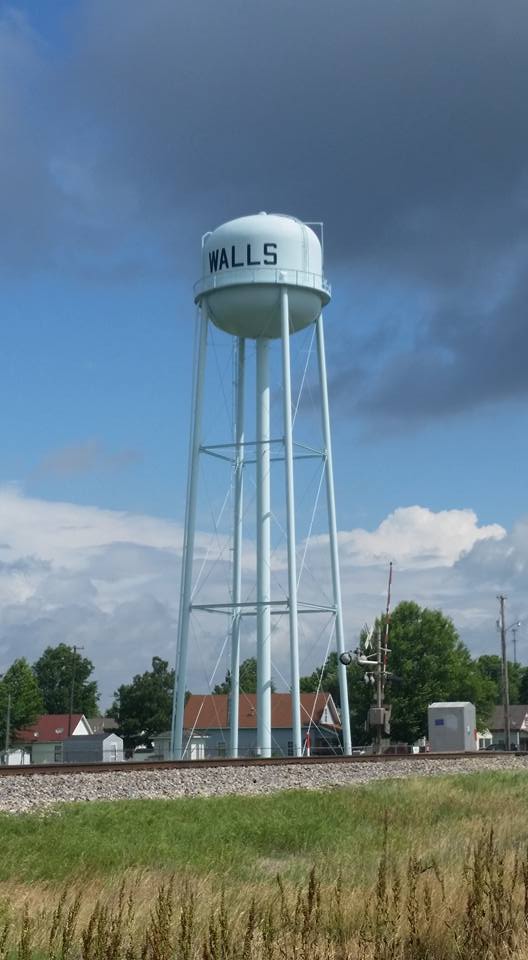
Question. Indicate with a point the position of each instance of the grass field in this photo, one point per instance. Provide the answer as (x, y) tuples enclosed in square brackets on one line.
[(246, 839), (420, 828)]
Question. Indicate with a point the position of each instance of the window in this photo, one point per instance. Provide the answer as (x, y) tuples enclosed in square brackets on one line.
[(221, 749), (290, 748), (57, 754)]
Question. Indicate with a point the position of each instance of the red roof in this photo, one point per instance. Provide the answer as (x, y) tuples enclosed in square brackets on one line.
[(49, 728), (211, 711)]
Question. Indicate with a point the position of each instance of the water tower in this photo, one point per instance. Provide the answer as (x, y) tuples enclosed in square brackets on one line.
[(262, 280)]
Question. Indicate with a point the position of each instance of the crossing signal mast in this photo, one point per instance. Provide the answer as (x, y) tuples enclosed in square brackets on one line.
[(374, 656)]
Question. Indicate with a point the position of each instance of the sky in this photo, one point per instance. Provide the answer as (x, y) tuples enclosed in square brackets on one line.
[(128, 130)]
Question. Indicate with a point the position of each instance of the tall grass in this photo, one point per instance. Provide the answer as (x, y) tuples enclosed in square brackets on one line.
[(418, 913), (244, 840), (286, 877)]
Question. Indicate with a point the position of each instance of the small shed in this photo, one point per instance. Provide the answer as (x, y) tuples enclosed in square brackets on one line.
[(94, 748), (16, 757), (452, 726), (195, 748)]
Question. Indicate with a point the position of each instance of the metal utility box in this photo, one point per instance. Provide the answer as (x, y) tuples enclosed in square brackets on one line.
[(452, 726)]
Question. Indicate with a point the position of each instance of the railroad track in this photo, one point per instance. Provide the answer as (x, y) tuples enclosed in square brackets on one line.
[(128, 766)]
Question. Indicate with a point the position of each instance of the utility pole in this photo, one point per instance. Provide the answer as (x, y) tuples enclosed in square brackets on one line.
[(379, 694), (514, 635), (505, 677), (72, 686), (7, 730)]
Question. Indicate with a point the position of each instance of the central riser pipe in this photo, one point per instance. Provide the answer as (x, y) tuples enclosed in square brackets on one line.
[(263, 551), (237, 548)]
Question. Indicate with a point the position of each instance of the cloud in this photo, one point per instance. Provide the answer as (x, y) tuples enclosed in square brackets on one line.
[(464, 357), (109, 581), (403, 128), (88, 456), (417, 538)]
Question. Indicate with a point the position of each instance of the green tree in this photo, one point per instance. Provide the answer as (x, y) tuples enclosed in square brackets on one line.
[(490, 667), (432, 664), (359, 694), (429, 662), (56, 670), (143, 708), (20, 686), (523, 686), (247, 678)]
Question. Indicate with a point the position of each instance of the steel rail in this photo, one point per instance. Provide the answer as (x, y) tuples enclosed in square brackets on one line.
[(129, 766)]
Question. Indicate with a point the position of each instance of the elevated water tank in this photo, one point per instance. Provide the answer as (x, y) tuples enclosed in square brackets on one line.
[(244, 264)]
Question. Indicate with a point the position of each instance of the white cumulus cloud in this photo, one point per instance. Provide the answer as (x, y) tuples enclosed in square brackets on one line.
[(416, 537), (109, 581)]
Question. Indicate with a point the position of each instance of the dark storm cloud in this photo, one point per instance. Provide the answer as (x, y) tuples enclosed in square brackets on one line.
[(403, 125), (459, 362)]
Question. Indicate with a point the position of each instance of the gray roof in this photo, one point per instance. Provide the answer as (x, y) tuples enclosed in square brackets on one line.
[(99, 724), (518, 715)]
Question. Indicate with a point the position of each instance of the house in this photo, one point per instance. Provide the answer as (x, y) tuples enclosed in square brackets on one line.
[(206, 726), (44, 739), (518, 727), (103, 724)]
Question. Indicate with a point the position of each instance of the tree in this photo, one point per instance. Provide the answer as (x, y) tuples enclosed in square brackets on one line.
[(57, 670), (143, 708), (247, 678), (429, 662), (490, 667), (359, 694), (432, 664), (19, 683), (523, 686)]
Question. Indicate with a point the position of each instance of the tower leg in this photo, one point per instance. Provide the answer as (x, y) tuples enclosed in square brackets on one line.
[(290, 511), (263, 552), (237, 547), (332, 532), (178, 703)]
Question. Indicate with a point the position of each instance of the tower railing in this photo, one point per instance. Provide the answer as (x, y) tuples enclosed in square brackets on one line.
[(234, 276)]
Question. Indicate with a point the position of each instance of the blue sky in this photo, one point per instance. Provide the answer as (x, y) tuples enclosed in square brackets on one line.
[(129, 129)]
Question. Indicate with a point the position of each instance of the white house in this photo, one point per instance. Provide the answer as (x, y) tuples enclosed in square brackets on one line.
[(44, 739)]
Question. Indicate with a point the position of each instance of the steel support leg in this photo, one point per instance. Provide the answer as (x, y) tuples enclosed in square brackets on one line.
[(178, 704), (290, 525), (332, 533)]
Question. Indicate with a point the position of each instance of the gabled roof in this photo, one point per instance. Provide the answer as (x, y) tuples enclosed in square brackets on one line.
[(50, 728), (518, 717), (211, 711), (102, 724)]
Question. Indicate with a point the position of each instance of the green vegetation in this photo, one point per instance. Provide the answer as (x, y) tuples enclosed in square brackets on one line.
[(246, 839), (19, 697), (490, 666), (143, 708), (61, 669), (429, 662), (247, 678), (401, 870)]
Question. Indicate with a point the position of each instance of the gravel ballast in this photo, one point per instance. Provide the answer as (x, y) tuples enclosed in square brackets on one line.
[(21, 794)]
